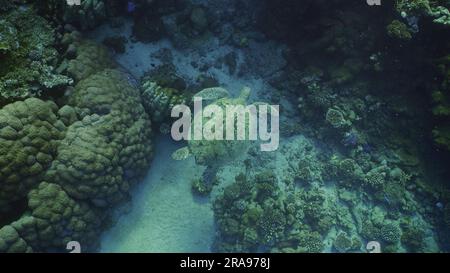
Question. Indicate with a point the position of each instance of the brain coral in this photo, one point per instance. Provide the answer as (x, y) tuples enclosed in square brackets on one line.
[(110, 147), (29, 132)]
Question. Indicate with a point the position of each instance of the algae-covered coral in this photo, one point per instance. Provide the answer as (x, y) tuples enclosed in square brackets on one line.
[(29, 59), (363, 94)]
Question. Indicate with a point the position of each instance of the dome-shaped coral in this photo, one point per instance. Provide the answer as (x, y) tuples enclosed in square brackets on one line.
[(29, 133), (109, 149)]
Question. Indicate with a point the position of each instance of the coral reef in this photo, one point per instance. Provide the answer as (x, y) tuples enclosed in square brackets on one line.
[(61, 166), (29, 59), (441, 104), (108, 150), (29, 135), (159, 101), (87, 15), (214, 151), (85, 57), (390, 233), (117, 43), (437, 10)]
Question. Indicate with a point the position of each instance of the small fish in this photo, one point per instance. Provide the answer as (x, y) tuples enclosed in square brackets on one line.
[(131, 6), (439, 205)]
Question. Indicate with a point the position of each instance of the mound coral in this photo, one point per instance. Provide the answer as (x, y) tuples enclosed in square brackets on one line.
[(159, 101), (390, 233), (8, 38), (336, 118), (67, 164)]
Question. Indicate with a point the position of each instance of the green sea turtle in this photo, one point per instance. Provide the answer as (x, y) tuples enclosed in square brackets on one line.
[(207, 152)]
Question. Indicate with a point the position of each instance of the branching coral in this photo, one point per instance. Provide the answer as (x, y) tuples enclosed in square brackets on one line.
[(159, 101), (438, 10), (250, 214), (8, 37), (399, 30), (56, 219), (310, 242)]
